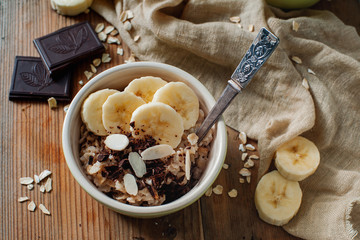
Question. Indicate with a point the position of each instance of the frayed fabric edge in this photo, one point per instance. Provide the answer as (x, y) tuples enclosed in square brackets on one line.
[(349, 226)]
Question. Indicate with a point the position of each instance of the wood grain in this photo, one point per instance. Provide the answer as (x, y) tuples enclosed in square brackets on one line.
[(31, 142)]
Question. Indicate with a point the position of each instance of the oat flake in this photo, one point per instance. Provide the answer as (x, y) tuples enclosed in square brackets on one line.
[(233, 193), (245, 172), (99, 27), (43, 209), (26, 180), (208, 192), (218, 190), (225, 166), (31, 207)]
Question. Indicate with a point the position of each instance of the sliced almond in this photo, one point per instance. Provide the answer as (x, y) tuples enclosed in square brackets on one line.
[(52, 103), (243, 137), (137, 164), (136, 38), (311, 71), (44, 174), (305, 84), (94, 168), (130, 184), (23, 199), (249, 164), (93, 68), (117, 142), (31, 207), (233, 193), (243, 156), (254, 157), (241, 180), (251, 28), (225, 166), (218, 190), (127, 26), (295, 26), (30, 186), (157, 152), (250, 147), (48, 185), (105, 58), (26, 180), (187, 164), (36, 178), (97, 62), (208, 192), (102, 36), (245, 172), (113, 40), (43, 209), (114, 32), (235, 19), (192, 138), (296, 59), (99, 27), (109, 29), (242, 148), (88, 74), (120, 51)]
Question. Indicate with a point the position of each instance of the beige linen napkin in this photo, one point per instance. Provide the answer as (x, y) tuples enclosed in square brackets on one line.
[(198, 37)]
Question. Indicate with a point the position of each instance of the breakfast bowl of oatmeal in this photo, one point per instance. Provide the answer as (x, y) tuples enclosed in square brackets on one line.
[(129, 139)]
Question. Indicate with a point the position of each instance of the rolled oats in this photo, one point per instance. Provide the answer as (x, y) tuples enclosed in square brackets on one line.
[(43, 209), (23, 199), (26, 180), (218, 190), (245, 172), (233, 193), (99, 27), (243, 137), (296, 59), (31, 207)]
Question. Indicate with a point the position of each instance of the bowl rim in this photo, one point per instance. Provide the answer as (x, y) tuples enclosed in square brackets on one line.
[(143, 211)]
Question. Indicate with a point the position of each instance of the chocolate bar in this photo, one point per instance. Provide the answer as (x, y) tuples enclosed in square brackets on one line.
[(31, 80), (68, 45)]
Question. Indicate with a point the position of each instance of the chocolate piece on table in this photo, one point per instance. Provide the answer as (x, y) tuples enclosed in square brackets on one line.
[(31, 81), (68, 45)]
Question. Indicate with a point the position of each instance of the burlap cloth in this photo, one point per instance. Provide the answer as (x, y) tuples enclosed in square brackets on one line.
[(197, 37)]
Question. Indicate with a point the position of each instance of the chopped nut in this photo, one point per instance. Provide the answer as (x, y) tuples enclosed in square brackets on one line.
[(251, 28), (44, 174), (225, 166), (136, 38), (242, 148), (23, 199), (129, 14), (87, 11), (113, 40), (31, 207), (105, 58), (245, 172), (120, 51), (127, 26), (243, 137), (235, 19), (253, 157), (99, 27), (248, 179), (250, 147), (241, 180), (36, 177), (295, 26), (81, 82), (218, 190), (109, 29), (26, 180), (102, 36), (305, 84), (233, 193), (93, 68), (97, 62), (47, 185), (43, 209), (192, 138), (30, 186), (208, 192), (249, 164), (311, 71), (114, 32), (42, 188), (52, 103), (243, 156), (296, 59), (88, 74), (66, 108)]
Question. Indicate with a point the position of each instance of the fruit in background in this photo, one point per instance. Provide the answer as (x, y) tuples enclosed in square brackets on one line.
[(292, 4), (91, 111), (70, 7), (181, 98), (297, 159), (145, 87), (117, 111), (277, 199), (158, 120)]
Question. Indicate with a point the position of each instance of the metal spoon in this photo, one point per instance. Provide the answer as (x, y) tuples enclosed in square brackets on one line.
[(260, 50)]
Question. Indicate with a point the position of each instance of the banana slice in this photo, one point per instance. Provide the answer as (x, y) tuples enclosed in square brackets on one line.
[(70, 7), (91, 111), (158, 120), (277, 199), (117, 111), (297, 159), (181, 98), (145, 87)]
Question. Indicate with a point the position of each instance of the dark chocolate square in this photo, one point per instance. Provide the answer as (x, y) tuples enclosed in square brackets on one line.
[(31, 81), (68, 45)]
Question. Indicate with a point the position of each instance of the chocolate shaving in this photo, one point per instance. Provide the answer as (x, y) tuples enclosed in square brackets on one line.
[(90, 161), (102, 157)]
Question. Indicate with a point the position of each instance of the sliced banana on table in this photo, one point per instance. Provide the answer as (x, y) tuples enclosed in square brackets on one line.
[(158, 120), (70, 7), (297, 159), (91, 111), (145, 87), (117, 111), (181, 98), (277, 199)]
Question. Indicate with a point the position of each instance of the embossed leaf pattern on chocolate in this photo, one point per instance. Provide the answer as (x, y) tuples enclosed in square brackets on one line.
[(37, 78), (70, 41)]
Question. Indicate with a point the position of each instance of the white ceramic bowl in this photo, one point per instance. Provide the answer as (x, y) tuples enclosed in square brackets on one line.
[(117, 78)]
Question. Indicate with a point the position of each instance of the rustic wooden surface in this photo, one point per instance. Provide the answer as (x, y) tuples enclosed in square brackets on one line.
[(31, 142)]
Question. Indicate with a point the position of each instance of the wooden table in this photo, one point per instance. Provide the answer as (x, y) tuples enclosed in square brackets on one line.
[(31, 142)]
